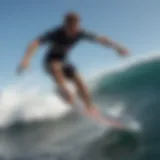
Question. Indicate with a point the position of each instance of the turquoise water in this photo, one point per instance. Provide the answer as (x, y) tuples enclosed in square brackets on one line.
[(131, 94), (137, 89)]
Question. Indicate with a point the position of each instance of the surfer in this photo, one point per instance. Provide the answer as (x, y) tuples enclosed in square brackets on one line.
[(61, 39)]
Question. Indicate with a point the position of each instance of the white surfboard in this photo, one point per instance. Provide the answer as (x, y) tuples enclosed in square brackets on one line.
[(97, 116)]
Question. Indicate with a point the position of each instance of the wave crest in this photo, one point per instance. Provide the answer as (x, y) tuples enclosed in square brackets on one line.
[(21, 104)]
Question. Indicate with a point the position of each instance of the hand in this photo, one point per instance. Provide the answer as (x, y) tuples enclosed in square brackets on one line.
[(122, 50), (93, 111), (24, 65)]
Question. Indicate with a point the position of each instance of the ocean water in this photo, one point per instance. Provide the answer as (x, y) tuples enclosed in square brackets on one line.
[(39, 126)]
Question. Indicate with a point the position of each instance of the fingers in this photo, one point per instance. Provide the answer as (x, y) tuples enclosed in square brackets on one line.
[(123, 51), (19, 70)]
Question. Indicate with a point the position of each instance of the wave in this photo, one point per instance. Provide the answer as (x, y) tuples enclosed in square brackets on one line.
[(136, 72), (20, 103), (129, 93), (115, 144)]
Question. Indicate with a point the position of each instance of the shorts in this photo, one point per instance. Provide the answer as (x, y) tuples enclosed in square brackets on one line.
[(68, 69)]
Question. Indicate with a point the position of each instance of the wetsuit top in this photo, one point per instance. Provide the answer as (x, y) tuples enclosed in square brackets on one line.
[(61, 43)]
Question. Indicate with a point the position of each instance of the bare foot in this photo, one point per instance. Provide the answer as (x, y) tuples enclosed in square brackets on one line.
[(93, 111)]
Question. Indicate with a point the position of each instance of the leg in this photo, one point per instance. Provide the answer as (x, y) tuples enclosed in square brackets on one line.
[(56, 71), (82, 90), (86, 98), (71, 74)]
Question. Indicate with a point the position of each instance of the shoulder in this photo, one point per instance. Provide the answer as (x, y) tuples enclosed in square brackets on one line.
[(87, 34), (82, 32), (49, 35), (56, 29)]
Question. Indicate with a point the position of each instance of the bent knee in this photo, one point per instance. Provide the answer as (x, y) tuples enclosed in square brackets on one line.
[(69, 71)]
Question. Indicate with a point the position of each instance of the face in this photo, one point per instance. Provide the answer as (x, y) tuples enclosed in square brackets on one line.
[(73, 27)]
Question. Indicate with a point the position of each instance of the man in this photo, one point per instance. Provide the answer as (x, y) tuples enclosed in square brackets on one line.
[(61, 40)]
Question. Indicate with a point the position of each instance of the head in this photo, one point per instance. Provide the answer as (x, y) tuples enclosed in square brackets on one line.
[(72, 22)]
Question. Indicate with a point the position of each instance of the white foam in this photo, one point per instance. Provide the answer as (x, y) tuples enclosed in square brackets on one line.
[(118, 112), (19, 103)]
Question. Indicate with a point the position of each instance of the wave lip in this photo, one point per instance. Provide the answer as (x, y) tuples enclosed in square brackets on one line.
[(126, 64)]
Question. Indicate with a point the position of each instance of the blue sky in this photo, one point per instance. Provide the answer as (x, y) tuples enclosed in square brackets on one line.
[(134, 23)]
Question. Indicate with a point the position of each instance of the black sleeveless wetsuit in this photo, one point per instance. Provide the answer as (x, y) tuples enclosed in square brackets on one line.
[(59, 45)]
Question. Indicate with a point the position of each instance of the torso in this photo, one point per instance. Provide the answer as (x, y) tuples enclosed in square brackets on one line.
[(62, 43)]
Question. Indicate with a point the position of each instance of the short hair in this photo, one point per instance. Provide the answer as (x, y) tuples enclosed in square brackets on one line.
[(71, 17)]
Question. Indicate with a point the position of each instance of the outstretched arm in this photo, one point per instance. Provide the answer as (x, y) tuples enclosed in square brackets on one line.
[(112, 44), (28, 55), (45, 38), (106, 41)]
